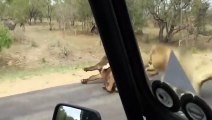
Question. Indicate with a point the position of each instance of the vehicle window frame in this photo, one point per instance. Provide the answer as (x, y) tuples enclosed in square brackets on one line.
[(117, 35)]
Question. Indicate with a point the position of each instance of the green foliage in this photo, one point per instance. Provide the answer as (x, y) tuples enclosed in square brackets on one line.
[(65, 10), (69, 11), (18, 9), (21, 10), (194, 50), (138, 12), (83, 9), (2, 7), (171, 16), (5, 37), (62, 115), (196, 5), (169, 11), (38, 6), (199, 11), (9, 1)]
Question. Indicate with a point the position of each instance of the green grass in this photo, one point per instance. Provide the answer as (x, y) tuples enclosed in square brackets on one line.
[(194, 50), (15, 73)]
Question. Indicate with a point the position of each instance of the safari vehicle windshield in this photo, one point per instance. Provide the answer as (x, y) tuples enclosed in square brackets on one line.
[(174, 38), (127, 59), (171, 36)]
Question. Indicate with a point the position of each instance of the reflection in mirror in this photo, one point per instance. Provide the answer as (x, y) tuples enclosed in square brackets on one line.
[(67, 113), (63, 112)]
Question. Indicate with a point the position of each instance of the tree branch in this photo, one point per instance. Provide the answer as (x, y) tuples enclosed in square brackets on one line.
[(178, 29)]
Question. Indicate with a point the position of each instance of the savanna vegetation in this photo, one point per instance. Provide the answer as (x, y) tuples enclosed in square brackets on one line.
[(43, 36), (176, 20)]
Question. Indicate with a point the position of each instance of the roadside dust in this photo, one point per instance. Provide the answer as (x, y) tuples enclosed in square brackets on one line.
[(19, 86)]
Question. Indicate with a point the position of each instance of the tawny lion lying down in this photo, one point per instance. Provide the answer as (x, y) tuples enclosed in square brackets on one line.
[(195, 69), (105, 74)]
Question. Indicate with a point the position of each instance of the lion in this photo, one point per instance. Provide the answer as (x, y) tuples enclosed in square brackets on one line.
[(105, 73), (159, 58)]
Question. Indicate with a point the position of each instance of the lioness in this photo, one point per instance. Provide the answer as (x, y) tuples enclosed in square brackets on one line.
[(105, 74), (196, 72), (99, 65)]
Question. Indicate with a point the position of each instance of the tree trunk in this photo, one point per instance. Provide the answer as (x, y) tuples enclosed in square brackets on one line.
[(59, 23), (83, 25), (35, 20), (41, 19), (196, 34), (50, 17), (169, 35), (64, 26), (50, 23), (161, 37), (72, 22), (30, 21)]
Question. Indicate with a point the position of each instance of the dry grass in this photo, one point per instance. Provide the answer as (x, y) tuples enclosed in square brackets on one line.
[(38, 43), (38, 51), (37, 47), (40, 59)]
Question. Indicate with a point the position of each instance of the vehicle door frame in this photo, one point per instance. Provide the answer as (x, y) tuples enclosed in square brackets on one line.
[(117, 35)]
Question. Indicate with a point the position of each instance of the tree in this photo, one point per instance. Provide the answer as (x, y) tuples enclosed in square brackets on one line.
[(61, 114), (167, 14), (84, 13), (199, 10), (65, 11), (18, 10), (5, 37), (50, 12), (2, 7), (138, 13), (36, 9)]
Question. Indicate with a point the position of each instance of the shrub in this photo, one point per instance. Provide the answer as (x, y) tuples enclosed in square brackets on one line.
[(5, 37), (19, 37)]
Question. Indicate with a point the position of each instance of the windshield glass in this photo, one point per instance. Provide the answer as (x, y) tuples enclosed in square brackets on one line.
[(174, 37), (51, 53)]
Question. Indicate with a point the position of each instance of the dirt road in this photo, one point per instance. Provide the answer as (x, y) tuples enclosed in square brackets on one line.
[(39, 105)]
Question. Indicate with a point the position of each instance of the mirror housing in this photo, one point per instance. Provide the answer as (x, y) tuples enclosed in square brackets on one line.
[(73, 112)]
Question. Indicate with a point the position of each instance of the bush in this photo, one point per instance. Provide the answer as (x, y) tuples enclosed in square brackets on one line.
[(5, 37), (19, 37)]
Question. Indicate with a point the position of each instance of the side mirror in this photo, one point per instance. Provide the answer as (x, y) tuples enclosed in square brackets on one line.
[(72, 112)]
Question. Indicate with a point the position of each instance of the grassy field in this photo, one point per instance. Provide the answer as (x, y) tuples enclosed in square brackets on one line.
[(40, 58), (39, 51), (12, 74)]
